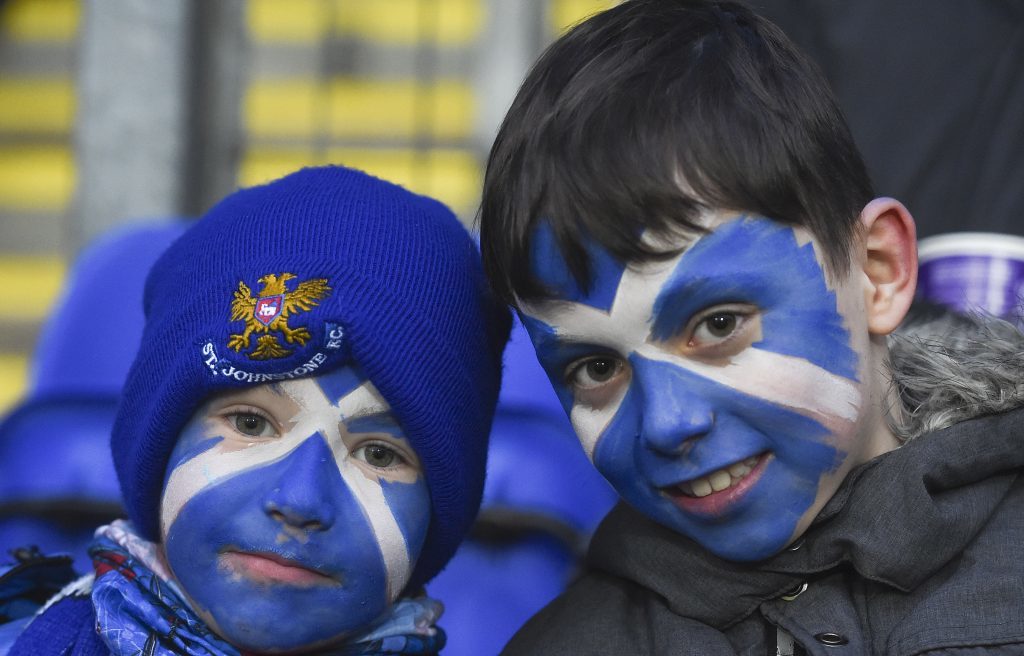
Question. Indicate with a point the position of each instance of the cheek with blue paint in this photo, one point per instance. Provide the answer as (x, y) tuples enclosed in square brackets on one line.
[(750, 527), (771, 423), (293, 541), (406, 492), (197, 436)]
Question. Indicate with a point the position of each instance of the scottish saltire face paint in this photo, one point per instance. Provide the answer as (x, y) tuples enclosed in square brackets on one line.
[(293, 513), (719, 392)]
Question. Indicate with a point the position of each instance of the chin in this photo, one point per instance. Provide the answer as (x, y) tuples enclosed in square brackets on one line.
[(747, 553), (271, 619), (733, 541), (269, 637)]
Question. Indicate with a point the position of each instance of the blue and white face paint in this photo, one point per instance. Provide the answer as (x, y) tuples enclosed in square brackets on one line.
[(720, 391), (294, 513)]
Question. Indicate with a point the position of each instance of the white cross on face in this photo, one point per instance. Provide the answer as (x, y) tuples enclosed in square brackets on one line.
[(718, 391), (627, 328), (311, 415)]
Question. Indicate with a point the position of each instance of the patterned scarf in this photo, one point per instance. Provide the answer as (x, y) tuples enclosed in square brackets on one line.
[(141, 610)]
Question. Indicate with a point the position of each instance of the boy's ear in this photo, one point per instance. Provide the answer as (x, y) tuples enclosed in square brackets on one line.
[(889, 264)]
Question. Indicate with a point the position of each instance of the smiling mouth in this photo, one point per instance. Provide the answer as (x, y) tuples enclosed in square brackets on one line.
[(272, 568), (715, 493)]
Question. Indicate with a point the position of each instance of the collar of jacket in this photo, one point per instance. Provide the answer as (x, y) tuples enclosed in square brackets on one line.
[(895, 520)]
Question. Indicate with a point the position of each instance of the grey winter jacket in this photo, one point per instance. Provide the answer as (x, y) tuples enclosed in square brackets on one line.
[(921, 551)]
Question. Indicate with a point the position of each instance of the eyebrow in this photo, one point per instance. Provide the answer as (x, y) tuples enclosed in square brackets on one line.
[(565, 347), (684, 297), (555, 353), (370, 419)]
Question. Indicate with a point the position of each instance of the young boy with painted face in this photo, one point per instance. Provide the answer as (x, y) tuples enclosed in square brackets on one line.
[(677, 210), (302, 438)]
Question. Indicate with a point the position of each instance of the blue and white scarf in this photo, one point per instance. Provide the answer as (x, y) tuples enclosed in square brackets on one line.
[(141, 610)]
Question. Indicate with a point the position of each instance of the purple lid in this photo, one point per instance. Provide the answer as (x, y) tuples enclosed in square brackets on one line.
[(973, 271)]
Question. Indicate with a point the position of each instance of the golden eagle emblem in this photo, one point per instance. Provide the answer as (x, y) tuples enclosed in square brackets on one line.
[(269, 312)]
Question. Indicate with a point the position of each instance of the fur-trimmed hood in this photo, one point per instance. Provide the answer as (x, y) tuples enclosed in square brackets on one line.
[(948, 367)]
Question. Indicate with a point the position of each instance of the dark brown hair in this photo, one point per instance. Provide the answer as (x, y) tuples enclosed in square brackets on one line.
[(643, 115)]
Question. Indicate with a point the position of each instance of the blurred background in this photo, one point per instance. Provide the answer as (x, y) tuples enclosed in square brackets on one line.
[(120, 110), (123, 110)]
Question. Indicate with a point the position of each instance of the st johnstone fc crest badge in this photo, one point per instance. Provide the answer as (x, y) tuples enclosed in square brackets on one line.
[(267, 308), (267, 314)]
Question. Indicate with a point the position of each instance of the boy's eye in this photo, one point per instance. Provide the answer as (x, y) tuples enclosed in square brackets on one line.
[(252, 424), (594, 372), (596, 380), (722, 332), (377, 455), (717, 326)]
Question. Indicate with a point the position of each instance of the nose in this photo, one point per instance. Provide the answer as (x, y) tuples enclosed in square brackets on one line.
[(675, 412), (302, 486)]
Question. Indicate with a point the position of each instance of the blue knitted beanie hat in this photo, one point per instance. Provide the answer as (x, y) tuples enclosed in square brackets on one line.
[(406, 300)]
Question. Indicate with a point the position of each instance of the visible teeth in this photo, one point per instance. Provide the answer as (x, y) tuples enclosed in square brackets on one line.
[(721, 479), (701, 487), (739, 470)]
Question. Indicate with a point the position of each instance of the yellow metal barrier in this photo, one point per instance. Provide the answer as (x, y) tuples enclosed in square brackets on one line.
[(452, 176), (36, 106), (36, 178), (31, 286), (51, 21), (563, 14), (449, 23), (304, 108), (13, 377)]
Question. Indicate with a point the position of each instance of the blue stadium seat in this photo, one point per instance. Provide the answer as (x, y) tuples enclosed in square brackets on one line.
[(57, 482), (542, 500)]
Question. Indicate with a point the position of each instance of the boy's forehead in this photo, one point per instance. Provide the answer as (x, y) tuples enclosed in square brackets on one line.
[(722, 235), (345, 394), (348, 383), (342, 381), (548, 266)]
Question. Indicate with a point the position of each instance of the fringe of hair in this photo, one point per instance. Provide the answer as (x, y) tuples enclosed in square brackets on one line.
[(948, 367)]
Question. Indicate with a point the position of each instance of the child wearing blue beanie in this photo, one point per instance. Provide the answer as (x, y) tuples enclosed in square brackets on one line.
[(302, 436)]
